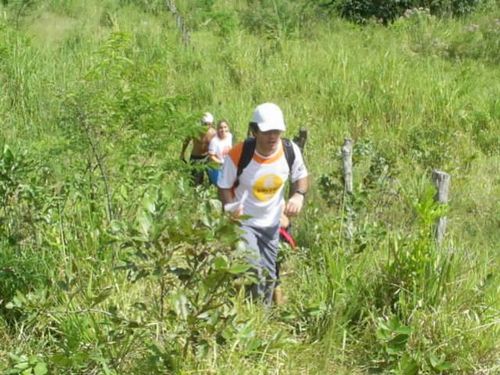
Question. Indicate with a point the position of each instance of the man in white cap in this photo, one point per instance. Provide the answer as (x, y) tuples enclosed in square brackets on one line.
[(259, 192), (199, 152)]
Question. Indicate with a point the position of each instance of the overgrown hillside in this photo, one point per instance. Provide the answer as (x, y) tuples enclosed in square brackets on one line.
[(111, 263)]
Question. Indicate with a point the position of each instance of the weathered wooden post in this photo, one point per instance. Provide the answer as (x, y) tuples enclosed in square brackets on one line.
[(301, 139), (347, 164), (179, 20), (442, 182)]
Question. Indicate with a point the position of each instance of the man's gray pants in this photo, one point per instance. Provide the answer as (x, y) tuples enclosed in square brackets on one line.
[(262, 247)]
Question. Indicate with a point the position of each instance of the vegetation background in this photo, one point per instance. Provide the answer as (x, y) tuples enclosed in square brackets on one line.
[(110, 263)]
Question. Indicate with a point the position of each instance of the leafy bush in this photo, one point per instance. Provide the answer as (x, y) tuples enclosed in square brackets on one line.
[(117, 102), (479, 41), (227, 22), (23, 201), (195, 13), (189, 255), (386, 11), (24, 210)]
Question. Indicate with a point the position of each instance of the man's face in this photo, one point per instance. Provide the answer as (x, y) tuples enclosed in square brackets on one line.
[(267, 142)]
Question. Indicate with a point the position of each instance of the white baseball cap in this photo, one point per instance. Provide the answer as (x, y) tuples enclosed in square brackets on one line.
[(268, 116), (207, 118)]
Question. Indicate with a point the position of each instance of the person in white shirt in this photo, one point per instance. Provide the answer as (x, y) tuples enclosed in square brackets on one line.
[(218, 148), (259, 192)]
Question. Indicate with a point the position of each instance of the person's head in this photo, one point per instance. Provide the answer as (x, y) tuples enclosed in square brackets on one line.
[(207, 119), (222, 129), (266, 125)]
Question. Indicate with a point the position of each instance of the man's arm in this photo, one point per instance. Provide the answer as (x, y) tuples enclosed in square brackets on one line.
[(212, 154), (296, 201), (301, 185), (214, 158), (226, 196)]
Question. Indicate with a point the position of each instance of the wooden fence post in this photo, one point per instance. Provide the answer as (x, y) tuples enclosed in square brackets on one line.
[(442, 182), (301, 139), (179, 21), (347, 162)]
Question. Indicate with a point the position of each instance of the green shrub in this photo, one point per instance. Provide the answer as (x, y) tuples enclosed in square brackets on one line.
[(24, 210), (386, 11), (479, 41)]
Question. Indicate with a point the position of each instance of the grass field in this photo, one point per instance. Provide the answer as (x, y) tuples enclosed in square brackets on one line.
[(111, 263)]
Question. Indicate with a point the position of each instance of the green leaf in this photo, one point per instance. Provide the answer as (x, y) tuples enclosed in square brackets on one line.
[(220, 263), (124, 192), (181, 306), (434, 360), (397, 344), (133, 324), (239, 268), (439, 363), (17, 358), (105, 293), (149, 204), (22, 365), (61, 360), (19, 299), (140, 306), (444, 366), (403, 330), (144, 224), (115, 226), (408, 366), (40, 368), (8, 156)]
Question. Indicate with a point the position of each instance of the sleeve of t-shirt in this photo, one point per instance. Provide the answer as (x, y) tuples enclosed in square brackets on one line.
[(212, 146), (227, 175), (299, 169)]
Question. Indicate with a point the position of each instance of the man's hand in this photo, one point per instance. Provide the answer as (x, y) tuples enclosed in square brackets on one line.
[(235, 209), (234, 212), (294, 205)]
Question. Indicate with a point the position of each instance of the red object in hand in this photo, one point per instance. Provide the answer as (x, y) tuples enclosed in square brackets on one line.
[(287, 237)]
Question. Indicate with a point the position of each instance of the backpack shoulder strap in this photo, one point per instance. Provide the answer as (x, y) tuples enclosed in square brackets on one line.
[(289, 152), (245, 158)]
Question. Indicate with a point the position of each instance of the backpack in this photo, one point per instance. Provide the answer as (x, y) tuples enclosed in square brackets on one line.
[(249, 149)]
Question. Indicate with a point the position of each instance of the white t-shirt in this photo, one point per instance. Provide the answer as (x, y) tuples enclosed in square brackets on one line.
[(220, 147), (264, 178)]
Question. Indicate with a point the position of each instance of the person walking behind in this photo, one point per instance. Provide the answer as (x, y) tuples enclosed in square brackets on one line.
[(218, 148), (259, 192), (199, 152)]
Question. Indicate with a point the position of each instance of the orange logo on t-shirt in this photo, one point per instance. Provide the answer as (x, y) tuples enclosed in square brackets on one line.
[(266, 187)]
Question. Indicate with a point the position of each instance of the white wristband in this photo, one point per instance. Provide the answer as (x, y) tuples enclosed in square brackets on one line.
[(230, 207)]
